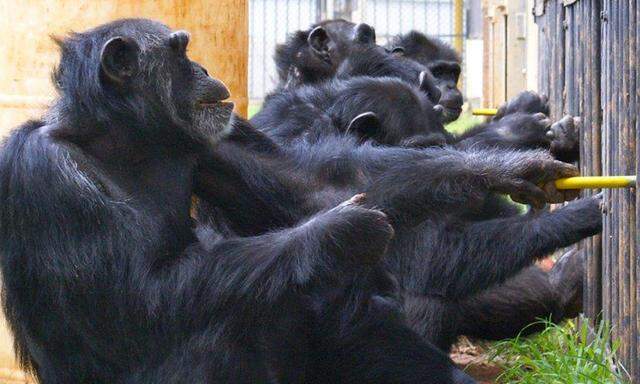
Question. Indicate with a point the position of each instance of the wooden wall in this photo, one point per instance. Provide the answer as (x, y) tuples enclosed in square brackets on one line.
[(219, 31), (219, 41), (588, 63), (510, 50)]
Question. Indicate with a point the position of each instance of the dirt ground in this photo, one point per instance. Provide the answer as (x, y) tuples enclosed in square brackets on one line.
[(474, 359)]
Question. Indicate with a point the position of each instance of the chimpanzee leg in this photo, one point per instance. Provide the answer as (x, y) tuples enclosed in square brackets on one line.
[(515, 307), (511, 308), (365, 339)]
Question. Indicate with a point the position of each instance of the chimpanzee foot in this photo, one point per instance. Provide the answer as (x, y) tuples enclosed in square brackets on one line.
[(585, 216), (525, 102), (565, 138), (363, 234)]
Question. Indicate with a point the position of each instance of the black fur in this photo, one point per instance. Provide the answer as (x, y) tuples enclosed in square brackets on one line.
[(405, 114), (443, 62), (296, 61), (453, 237), (104, 279)]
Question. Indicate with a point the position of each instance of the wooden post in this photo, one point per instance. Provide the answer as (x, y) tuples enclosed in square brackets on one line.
[(219, 31), (219, 41)]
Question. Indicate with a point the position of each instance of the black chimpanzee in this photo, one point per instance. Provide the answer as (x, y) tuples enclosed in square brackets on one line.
[(314, 55), (305, 119), (104, 278), (443, 62), (512, 127), (359, 107), (340, 49)]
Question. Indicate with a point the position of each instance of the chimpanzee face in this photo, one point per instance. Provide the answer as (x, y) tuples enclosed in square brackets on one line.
[(178, 90), (446, 74)]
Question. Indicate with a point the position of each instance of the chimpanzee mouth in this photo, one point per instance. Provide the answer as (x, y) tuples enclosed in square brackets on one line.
[(453, 110), (216, 104)]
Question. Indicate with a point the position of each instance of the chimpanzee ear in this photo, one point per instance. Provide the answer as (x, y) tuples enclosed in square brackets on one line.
[(365, 125), (398, 51), (119, 59), (428, 86), (319, 41), (179, 40), (365, 34)]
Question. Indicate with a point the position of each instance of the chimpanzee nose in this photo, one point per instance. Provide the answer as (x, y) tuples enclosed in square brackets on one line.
[(216, 90)]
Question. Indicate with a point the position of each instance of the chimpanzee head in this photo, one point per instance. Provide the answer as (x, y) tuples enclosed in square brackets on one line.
[(135, 74), (314, 55), (375, 61), (443, 62), (389, 111)]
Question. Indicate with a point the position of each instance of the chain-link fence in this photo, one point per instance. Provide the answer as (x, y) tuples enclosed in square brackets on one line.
[(270, 21)]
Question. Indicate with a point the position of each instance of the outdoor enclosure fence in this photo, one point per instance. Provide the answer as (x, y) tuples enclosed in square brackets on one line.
[(588, 58)]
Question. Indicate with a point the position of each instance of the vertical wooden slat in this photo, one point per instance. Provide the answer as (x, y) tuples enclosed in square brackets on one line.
[(590, 159), (219, 42), (634, 107)]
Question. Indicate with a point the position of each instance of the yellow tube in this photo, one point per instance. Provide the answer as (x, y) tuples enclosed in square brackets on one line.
[(484, 111), (593, 182)]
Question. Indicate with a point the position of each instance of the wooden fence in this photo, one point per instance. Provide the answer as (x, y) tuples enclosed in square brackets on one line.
[(588, 65)]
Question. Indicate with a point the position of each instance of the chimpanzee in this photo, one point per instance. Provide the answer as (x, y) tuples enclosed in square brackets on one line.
[(512, 126), (359, 107), (105, 279), (314, 55), (393, 112), (443, 62), (438, 200)]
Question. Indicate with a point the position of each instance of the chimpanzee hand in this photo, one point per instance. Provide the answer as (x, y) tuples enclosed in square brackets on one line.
[(565, 135), (527, 102), (528, 177), (362, 234)]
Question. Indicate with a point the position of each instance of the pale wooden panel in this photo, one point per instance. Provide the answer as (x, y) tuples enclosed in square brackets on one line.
[(219, 31)]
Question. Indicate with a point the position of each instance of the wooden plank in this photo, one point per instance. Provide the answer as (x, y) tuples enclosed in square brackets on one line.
[(219, 41)]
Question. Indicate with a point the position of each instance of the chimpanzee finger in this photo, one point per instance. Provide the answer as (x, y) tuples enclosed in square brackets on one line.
[(524, 192), (557, 169), (358, 199), (554, 195)]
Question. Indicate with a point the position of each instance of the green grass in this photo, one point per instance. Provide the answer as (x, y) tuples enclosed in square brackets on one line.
[(464, 122), (561, 354)]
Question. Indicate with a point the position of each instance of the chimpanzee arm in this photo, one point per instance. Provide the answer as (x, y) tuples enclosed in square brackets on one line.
[(472, 257), (521, 123), (254, 191), (411, 186), (527, 102), (523, 131), (514, 131), (264, 268)]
